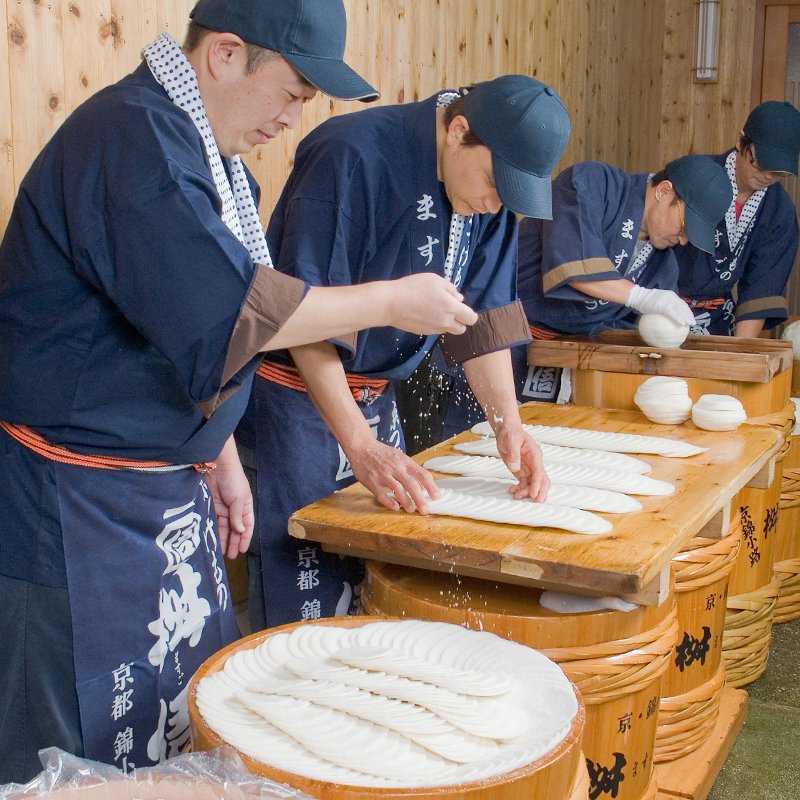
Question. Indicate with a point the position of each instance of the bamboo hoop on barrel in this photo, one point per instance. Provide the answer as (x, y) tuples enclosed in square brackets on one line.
[(605, 671), (703, 561), (788, 606), (782, 421), (686, 720), (748, 631), (790, 488)]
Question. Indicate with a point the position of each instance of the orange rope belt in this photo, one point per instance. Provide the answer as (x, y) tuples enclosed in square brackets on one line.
[(541, 333), (716, 302), (53, 452), (360, 387)]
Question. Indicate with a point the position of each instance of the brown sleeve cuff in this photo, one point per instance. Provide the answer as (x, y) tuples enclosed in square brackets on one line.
[(496, 329), (576, 269), (272, 299)]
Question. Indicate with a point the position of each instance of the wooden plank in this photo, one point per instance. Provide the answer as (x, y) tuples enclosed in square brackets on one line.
[(89, 36), (776, 32), (693, 776), (7, 182), (751, 362), (625, 561), (719, 525), (37, 95)]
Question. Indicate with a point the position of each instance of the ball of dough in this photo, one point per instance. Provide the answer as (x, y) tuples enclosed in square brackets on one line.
[(718, 412), (658, 330), (792, 334)]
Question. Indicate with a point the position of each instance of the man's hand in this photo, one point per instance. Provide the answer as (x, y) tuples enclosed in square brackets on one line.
[(383, 469), (427, 303), (233, 502), (660, 301), (523, 457)]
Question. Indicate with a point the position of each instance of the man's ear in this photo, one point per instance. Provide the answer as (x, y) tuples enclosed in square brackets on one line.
[(224, 51), (457, 129), (665, 190)]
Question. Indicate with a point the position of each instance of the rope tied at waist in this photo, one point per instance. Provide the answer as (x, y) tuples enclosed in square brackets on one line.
[(363, 389), (54, 452), (714, 302)]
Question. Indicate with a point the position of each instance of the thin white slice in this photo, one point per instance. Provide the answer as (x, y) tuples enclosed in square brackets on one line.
[(486, 717), (514, 512), (566, 603), (416, 723), (603, 440), (320, 730), (558, 495), (570, 474), (393, 662), (543, 696), (553, 452)]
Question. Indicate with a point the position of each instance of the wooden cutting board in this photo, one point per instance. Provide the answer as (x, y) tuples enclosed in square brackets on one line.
[(630, 561)]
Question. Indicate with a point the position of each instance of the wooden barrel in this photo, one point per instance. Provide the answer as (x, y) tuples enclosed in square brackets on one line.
[(693, 683), (753, 589), (787, 546), (556, 774), (616, 658)]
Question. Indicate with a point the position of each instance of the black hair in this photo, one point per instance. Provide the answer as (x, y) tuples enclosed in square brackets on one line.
[(456, 109), (661, 176), (256, 56)]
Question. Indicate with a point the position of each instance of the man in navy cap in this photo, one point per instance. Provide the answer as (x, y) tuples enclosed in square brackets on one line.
[(607, 251), (756, 241), (432, 186), (136, 295)]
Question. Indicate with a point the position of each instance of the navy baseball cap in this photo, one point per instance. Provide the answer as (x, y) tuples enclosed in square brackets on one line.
[(526, 127), (705, 188), (309, 34), (774, 127)]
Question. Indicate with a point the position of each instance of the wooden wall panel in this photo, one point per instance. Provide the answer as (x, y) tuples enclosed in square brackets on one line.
[(36, 77), (627, 47), (7, 184), (706, 117), (622, 69)]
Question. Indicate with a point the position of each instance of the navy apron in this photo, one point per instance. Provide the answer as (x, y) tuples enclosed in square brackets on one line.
[(715, 319), (299, 462), (150, 603)]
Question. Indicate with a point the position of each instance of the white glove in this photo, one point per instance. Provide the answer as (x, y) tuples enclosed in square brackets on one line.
[(660, 301)]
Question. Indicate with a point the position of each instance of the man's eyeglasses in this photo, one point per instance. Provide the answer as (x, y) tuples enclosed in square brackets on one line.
[(750, 155), (681, 217)]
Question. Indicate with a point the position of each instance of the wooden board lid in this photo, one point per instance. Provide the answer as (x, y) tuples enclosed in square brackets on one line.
[(722, 357)]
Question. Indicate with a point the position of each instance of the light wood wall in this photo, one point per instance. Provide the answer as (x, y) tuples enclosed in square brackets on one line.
[(621, 66)]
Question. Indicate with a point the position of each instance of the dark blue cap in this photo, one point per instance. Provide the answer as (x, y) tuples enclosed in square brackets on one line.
[(526, 126), (706, 189), (309, 34), (774, 127)]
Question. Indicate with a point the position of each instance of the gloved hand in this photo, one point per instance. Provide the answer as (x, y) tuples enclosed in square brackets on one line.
[(660, 301)]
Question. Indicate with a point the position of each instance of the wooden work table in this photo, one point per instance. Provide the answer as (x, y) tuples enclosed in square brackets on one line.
[(631, 561)]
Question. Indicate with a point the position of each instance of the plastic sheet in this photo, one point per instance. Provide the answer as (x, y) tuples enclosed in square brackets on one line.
[(212, 775)]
